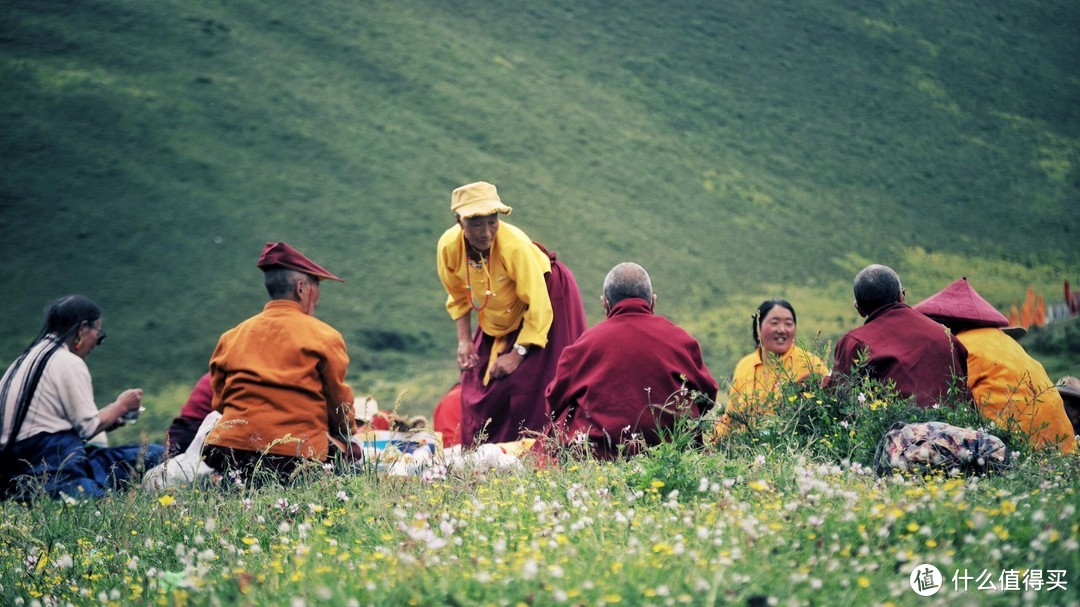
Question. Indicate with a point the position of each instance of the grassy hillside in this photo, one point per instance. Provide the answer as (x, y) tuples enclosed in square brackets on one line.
[(740, 150)]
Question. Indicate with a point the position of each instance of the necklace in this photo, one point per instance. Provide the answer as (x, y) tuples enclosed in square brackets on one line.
[(483, 263)]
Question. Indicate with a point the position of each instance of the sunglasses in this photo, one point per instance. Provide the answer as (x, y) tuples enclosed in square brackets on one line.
[(100, 334)]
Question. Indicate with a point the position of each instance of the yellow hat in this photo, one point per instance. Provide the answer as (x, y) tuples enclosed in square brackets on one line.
[(477, 200)]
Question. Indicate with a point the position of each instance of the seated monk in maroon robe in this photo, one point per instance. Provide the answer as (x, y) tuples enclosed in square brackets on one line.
[(926, 361), (628, 379)]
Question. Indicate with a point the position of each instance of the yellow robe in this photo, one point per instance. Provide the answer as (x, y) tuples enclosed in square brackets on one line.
[(755, 385), (515, 278), (1012, 387)]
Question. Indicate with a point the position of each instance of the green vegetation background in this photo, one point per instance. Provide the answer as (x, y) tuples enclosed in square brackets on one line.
[(739, 150)]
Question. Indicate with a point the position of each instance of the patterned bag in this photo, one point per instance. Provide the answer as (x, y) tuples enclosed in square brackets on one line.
[(929, 446)]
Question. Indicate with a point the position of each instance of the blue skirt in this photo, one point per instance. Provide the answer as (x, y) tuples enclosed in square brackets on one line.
[(60, 462)]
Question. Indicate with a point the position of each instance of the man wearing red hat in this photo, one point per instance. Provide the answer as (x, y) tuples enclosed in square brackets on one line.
[(279, 378), (920, 356), (1010, 387)]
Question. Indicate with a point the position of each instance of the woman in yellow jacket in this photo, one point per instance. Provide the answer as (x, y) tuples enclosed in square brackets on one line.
[(776, 360)]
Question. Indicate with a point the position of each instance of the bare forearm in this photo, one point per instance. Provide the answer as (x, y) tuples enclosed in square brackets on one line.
[(464, 328), (466, 354), (109, 417)]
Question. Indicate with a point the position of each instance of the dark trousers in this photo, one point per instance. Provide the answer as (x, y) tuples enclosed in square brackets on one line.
[(252, 467), (60, 462)]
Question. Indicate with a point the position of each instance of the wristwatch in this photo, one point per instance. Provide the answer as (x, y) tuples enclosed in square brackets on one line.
[(521, 350)]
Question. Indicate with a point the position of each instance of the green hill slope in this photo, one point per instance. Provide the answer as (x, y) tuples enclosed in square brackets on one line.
[(739, 150)]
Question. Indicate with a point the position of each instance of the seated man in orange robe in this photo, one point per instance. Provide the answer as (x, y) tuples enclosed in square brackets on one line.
[(1010, 387), (279, 378)]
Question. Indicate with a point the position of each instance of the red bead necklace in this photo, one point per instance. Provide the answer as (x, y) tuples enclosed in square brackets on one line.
[(484, 262)]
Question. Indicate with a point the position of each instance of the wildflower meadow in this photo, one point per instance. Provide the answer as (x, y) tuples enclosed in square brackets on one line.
[(776, 515)]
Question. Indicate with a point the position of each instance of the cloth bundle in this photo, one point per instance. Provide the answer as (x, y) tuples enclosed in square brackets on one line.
[(928, 446), (187, 467)]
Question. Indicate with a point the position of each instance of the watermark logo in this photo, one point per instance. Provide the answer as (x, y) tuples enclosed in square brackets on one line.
[(925, 580)]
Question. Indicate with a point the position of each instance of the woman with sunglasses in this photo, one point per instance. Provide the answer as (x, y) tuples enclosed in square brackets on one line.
[(47, 413)]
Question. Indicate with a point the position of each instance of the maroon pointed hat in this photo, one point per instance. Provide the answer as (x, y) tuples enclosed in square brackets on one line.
[(281, 255), (959, 304)]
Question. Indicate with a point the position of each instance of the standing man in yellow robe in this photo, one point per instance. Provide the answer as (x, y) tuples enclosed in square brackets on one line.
[(528, 308)]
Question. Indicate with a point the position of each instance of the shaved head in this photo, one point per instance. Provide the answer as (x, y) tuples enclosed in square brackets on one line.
[(627, 280), (876, 286)]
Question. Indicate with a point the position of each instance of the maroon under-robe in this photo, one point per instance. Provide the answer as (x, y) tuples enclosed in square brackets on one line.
[(903, 345), (513, 407), (612, 384), (185, 426)]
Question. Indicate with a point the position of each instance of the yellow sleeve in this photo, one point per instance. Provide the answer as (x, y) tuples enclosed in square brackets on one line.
[(743, 383), (742, 386), (807, 363), (447, 262), (525, 265)]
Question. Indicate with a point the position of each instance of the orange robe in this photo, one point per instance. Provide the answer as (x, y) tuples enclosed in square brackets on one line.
[(755, 385), (279, 383), (1009, 385)]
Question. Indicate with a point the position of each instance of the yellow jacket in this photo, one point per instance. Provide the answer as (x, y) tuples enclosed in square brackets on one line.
[(518, 287), (279, 382), (1011, 386), (755, 385)]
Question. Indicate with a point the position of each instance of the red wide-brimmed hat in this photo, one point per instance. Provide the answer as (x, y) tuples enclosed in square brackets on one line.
[(281, 255), (960, 304)]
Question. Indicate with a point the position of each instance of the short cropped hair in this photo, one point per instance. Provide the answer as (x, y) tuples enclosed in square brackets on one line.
[(281, 282), (876, 286), (627, 280)]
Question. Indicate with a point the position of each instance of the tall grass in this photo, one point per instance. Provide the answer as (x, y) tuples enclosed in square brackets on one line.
[(795, 518)]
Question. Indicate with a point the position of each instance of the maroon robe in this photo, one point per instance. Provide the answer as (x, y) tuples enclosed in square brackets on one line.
[(185, 426), (613, 383), (905, 346), (512, 407)]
